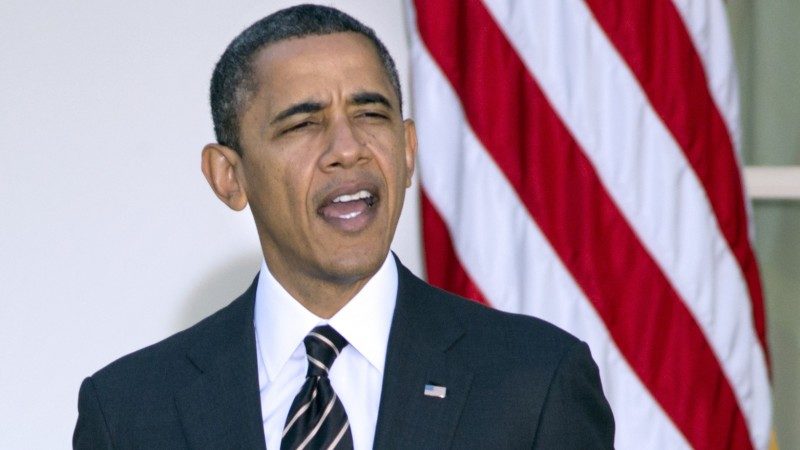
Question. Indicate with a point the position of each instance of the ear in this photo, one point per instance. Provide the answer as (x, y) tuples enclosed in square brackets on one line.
[(222, 167), (410, 149)]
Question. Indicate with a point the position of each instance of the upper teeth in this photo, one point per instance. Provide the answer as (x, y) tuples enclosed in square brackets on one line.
[(362, 194)]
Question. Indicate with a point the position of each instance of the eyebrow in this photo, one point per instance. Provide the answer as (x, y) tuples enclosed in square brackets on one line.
[(366, 98), (298, 108)]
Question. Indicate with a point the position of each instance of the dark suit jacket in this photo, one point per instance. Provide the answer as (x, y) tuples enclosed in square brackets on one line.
[(512, 382)]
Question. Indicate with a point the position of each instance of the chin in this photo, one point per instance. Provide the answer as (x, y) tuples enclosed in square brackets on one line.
[(348, 269)]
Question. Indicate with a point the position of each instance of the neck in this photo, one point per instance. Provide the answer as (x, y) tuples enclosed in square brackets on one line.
[(323, 297)]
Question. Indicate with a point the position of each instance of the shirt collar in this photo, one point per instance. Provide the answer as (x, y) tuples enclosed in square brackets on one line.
[(281, 322)]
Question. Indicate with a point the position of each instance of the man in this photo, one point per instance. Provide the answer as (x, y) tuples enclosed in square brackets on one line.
[(336, 344)]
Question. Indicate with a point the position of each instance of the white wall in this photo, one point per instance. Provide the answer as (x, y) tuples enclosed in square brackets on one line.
[(110, 238)]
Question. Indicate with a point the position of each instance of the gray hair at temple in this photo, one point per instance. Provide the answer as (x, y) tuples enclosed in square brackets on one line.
[(233, 81)]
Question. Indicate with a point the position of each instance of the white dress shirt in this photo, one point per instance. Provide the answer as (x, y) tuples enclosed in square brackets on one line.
[(357, 374)]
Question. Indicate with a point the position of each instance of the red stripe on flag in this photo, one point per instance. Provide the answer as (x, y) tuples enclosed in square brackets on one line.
[(653, 40), (559, 187), (443, 266)]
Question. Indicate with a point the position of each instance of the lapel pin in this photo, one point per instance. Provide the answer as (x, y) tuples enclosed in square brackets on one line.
[(432, 390)]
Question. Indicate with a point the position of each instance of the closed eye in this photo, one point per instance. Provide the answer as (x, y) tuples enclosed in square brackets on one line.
[(296, 127), (373, 115)]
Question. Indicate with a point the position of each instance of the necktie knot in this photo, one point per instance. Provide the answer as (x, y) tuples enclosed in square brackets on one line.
[(323, 345)]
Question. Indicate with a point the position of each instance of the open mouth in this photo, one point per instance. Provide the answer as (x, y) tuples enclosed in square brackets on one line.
[(349, 206), (350, 210)]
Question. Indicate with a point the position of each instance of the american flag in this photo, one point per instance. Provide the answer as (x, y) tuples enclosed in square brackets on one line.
[(579, 163)]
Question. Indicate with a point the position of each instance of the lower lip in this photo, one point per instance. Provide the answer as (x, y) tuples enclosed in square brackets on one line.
[(352, 224)]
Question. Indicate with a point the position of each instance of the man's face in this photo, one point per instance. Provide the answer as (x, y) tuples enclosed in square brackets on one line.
[(326, 158)]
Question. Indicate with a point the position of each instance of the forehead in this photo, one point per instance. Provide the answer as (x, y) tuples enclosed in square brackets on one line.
[(318, 68)]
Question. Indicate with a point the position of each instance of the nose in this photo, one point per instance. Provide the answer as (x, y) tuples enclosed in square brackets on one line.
[(345, 147)]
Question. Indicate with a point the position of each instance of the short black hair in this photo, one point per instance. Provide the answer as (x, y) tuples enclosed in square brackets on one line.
[(233, 81)]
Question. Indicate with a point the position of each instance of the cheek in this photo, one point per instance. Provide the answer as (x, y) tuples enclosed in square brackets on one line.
[(294, 182), (388, 147), (396, 174), (266, 185)]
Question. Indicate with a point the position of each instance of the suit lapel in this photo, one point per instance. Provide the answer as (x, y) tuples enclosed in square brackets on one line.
[(221, 407), (422, 332)]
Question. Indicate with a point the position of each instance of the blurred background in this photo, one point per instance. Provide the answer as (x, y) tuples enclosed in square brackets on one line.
[(110, 239), (766, 41)]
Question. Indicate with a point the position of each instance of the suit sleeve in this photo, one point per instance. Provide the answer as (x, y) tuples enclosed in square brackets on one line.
[(576, 414), (91, 431)]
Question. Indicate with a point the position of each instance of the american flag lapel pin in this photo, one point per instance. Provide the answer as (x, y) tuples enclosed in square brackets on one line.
[(432, 390)]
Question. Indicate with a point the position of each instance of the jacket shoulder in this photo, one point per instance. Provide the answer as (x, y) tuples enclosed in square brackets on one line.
[(146, 368), (521, 335), (131, 402), (523, 364)]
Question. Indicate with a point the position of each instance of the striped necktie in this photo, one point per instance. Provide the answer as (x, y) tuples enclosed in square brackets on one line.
[(317, 419)]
